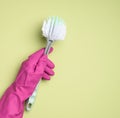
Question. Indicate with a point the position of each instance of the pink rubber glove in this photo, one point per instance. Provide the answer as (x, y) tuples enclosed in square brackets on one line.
[(37, 66)]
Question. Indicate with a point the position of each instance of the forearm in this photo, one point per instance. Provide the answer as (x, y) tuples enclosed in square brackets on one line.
[(11, 105)]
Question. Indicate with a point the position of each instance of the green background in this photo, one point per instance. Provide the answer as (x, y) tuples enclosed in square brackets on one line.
[(87, 74)]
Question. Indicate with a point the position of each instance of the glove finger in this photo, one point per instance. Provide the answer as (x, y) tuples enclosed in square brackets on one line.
[(33, 59), (50, 64), (47, 60), (40, 67), (49, 71), (51, 50), (46, 76)]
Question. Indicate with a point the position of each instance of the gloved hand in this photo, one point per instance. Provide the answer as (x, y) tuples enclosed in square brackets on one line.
[(37, 66)]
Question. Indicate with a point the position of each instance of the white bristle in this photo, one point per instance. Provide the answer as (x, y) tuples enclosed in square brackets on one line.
[(54, 28)]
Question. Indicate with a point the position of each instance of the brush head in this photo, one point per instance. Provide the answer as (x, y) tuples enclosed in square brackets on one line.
[(54, 28)]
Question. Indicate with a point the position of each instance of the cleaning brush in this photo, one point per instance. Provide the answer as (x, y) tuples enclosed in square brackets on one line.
[(53, 29)]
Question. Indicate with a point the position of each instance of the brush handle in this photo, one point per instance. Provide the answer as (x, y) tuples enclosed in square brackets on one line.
[(49, 44), (31, 99)]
